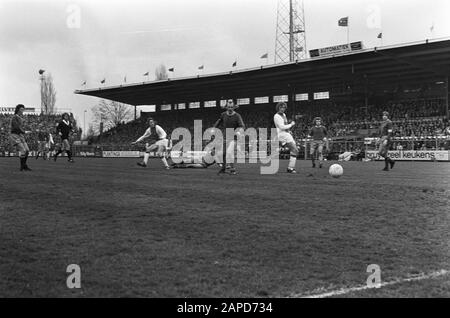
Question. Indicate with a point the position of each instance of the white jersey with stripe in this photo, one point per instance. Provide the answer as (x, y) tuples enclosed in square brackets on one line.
[(159, 131), (281, 123)]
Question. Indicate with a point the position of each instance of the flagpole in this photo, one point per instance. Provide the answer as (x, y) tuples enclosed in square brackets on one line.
[(348, 34)]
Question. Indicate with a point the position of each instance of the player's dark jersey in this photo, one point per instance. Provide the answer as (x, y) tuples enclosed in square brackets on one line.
[(17, 125), (386, 126), (318, 133), (230, 121), (64, 128)]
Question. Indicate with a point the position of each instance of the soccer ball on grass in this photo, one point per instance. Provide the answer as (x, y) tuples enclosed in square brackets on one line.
[(336, 170)]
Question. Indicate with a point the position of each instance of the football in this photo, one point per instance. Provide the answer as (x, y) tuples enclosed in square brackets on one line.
[(336, 170)]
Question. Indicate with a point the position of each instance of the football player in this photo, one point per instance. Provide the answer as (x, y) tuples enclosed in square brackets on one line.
[(160, 143), (284, 134)]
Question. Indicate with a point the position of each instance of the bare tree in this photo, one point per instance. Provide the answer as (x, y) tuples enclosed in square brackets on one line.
[(48, 95), (161, 73), (111, 114)]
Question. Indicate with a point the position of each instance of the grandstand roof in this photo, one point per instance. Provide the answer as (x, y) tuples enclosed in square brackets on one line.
[(408, 65)]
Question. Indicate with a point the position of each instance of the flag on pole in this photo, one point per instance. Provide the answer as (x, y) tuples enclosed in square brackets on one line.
[(146, 74), (380, 35), (103, 81), (343, 22), (171, 69), (125, 79), (264, 56), (41, 72), (84, 83), (432, 27), (234, 64), (201, 67)]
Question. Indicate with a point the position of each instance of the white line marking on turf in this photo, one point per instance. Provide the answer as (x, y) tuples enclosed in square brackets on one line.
[(344, 291)]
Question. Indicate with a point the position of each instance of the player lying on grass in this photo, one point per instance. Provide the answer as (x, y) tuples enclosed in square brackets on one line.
[(319, 135), (160, 144), (229, 119), (17, 137), (195, 163), (284, 134), (386, 141)]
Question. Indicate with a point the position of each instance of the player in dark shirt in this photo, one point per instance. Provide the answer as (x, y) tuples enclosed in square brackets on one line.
[(319, 136), (386, 131), (64, 129), (44, 144), (17, 137), (229, 119)]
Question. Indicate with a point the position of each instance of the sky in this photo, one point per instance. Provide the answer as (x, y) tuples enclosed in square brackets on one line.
[(92, 40)]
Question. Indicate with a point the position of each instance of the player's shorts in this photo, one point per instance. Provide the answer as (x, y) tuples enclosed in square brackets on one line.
[(160, 143), (18, 141), (65, 145), (44, 146), (317, 144), (385, 144), (285, 138)]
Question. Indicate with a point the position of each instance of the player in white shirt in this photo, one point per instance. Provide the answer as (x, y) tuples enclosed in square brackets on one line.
[(284, 135), (156, 132)]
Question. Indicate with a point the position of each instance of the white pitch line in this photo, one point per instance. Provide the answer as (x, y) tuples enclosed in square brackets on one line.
[(344, 291)]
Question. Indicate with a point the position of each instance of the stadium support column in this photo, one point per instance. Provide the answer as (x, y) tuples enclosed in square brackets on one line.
[(135, 112), (446, 99)]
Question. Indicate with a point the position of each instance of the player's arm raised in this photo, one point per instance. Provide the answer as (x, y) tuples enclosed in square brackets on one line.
[(145, 135), (218, 122), (280, 124)]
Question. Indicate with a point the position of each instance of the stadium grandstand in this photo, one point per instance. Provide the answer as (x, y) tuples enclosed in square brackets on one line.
[(348, 90)]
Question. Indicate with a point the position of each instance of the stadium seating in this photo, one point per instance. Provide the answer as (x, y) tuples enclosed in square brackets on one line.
[(411, 118)]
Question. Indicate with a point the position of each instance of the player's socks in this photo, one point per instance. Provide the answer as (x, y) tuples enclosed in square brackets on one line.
[(25, 166), (386, 164), (56, 155), (146, 156), (291, 170), (292, 161), (22, 163), (164, 160), (392, 163), (69, 154), (313, 163)]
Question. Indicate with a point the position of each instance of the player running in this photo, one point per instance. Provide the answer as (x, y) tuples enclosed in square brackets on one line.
[(386, 141), (17, 137), (155, 131), (64, 129), (45, 142), (319, 135), (284, 134), (229, 119)]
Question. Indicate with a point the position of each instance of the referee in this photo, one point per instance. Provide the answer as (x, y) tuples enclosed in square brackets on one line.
[(64, 129)]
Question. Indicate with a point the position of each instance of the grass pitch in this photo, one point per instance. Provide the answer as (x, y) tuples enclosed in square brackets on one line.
[(191, 233)]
